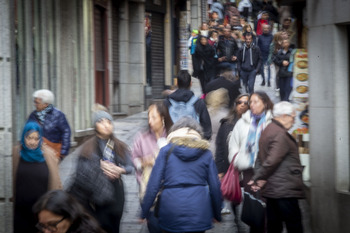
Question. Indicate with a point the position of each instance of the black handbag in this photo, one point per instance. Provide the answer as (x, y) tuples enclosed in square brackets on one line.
[(253, 212), (156, 207)]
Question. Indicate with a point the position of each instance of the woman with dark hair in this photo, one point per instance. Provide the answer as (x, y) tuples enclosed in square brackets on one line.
[(221, 155), (146, 148), (205, 60), (98, 184), (57, 211), (245, 137), (35, 171), (191, 196)]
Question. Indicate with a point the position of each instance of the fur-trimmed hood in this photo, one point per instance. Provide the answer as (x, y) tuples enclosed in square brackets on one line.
[(189, 145)]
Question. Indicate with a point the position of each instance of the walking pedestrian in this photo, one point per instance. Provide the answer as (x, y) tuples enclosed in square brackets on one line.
[(275, 46), (98, 183), (191, 196), (183, 102), (145, 151), (227, 51), (206, 61), (245, 137), (278, 172), (56, 130), (249, 63), (35, 171), (282, 59), (241, 105), (264, 41)]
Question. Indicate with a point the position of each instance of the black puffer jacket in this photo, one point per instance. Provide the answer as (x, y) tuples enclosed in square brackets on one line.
[(279, 164)]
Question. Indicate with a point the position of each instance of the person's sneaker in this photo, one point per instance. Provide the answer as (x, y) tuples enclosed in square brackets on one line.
[(268, 84), (263, 83), (225, 211)]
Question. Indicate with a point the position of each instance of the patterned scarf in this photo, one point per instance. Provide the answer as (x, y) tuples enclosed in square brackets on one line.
[(255, 130), (27, 154), (42, 114)]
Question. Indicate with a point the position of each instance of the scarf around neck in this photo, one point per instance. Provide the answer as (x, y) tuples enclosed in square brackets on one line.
[(256, 127), (27, 154), (42, 114), (250, 53)]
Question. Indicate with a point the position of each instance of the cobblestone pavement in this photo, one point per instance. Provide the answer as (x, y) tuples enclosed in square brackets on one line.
[(126, 129)]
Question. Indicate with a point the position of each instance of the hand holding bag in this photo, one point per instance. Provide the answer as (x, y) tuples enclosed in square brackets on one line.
[(230, 188)]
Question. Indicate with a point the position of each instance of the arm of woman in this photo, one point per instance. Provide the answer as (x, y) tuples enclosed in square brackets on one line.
[(234, 141), (136, 153)]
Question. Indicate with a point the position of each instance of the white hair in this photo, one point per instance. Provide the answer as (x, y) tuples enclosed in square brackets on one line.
[(45, 95), (283, 108)]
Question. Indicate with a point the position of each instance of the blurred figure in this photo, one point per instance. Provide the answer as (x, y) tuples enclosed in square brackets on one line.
[(191, 196), (56, 130), (249, 62), (98, 184), (35, 171), (264, 19), (278, 172), (205, 56), (227, 81), (264, 41), (204, 29), (217, 104), (285, 76), (59, 212), (146, 148), (241, 105), (275, 45), (183, 102), (245, 137)]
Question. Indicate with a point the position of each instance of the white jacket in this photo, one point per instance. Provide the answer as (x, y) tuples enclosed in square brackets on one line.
[(238, 140)]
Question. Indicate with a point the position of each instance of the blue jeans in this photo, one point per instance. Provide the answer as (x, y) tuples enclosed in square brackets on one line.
[(248, 78), (264, 63)]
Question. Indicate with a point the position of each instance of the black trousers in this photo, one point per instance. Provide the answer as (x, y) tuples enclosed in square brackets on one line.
[(283, 210)]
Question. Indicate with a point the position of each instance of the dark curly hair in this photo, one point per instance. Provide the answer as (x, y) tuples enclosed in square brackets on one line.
[(63, 204)]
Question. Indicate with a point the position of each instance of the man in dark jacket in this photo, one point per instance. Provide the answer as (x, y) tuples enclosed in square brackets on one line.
[(56, 130), (182, 96), (278, 171), (227, 51), (249, 62), (264, 42)]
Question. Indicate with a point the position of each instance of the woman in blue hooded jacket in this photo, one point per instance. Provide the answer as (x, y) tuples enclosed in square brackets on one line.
[(186, 173)]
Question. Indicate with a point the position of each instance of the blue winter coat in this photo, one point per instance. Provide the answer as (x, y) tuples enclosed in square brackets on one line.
[(55, 128), (191, 197)]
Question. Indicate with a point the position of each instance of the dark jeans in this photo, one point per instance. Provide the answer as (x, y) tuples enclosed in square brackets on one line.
[(285, 88), (248, 78), (283, 210)]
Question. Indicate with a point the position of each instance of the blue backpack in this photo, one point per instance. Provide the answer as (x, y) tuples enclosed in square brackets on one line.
[(180, 109)]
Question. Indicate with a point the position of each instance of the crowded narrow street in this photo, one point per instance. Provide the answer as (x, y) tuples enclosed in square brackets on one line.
[(126, 129)]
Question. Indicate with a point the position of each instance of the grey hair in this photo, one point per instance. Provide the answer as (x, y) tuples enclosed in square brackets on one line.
[(283, 108), (187, 122), (45, 95)]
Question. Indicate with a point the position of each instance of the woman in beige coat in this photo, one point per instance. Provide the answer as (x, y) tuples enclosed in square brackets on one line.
[(35, 171)]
